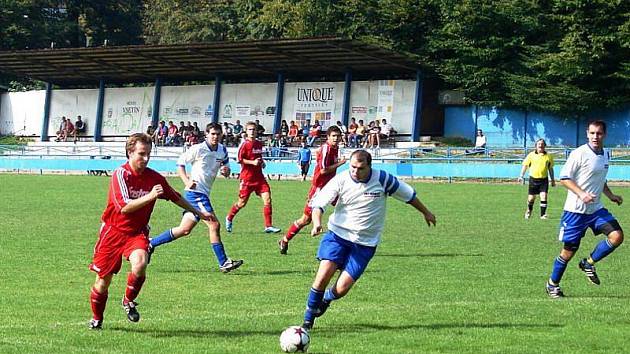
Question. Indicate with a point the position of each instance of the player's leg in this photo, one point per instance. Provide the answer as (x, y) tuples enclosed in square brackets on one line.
[(265, 194), (294, 229), (226, 264), (530, 205), (604, 223), (183, 229), (243, 197), (98, 300), (573, 228), (543, 205), (137, 254)]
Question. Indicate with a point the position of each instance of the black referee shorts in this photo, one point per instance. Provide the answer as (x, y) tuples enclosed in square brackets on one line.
[(538, 185)]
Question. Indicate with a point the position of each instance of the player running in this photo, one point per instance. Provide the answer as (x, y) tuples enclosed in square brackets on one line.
[(207, 159), (327, 162), (133, 190), (252, 179), (584, 175)]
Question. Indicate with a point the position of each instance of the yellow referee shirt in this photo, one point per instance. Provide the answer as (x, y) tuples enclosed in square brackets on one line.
[(539, 164)]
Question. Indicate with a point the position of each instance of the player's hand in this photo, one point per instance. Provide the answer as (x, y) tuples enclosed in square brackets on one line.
[(553, 182), (157, 191), (225, 171), (429, 218), (616, 199), (204, 215), (192, 184), (342, 160), (587, 197), (316, 230), (520, 179)]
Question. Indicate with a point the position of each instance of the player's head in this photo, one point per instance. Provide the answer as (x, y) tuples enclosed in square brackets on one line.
[(596, 132), (138, 150), (333, 135), (541, 144), (250, 130), (360, 165), (213, 134)]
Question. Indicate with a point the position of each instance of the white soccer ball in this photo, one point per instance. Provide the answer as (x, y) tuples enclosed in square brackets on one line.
[(294, 339)]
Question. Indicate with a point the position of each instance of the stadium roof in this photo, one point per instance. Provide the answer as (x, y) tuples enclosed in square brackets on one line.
[(299, 59)]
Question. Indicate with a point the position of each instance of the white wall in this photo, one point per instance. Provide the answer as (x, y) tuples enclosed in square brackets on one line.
[(127, 110), (21, 113), (73, 103), (187, 103)]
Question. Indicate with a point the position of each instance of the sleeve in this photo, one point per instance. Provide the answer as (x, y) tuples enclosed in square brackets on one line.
[(324, 155), (187, 157), (226, 159), (550, 161), (169, 192), (328, 194), (118, 189), (396, 188), (571, 166), (528, 160), (242, 151)]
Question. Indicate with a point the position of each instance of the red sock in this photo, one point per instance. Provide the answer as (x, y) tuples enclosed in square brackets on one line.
[(267, 214), (98, 302), (233, 212), (134, 284), (293, 230)]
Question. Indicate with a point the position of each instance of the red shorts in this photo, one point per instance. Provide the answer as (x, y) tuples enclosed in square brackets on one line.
[(248, 188), (111, 246)]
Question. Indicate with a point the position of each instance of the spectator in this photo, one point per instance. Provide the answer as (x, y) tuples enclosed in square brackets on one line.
[(359, 134), (284, 128), (79, 128), (69, 130), (373, 135), (387, 130), (480, 144), (352, 133), (237, 129), (293, 132), (61, 133), (304, 160), (313, 133), (150, 130), (276, 143), (180, 132), (171, 138), (188, 130), (344, 133), (228, 134), (260, 130)]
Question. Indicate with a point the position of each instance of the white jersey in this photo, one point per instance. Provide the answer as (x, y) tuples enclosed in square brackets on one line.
[(588, 170), (205, 164), (359, 214)]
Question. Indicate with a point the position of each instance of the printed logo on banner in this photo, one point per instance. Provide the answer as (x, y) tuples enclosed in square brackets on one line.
[(209, 111), (195, 111)]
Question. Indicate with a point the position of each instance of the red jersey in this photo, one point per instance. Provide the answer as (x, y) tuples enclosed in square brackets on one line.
[(326, 156), (251, 150), (126, 186)]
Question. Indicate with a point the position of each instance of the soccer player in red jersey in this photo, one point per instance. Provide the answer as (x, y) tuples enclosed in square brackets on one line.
[(252, 179), (327, 162), (133, 190)]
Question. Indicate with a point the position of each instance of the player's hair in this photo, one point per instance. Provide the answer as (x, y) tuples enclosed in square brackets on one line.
[(543, 141), (215, 126), (362, 155), (251, 124), (130, 146), (597, 123), (333, 129)]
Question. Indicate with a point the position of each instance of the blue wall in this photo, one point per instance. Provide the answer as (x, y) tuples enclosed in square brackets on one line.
[(511, 128)]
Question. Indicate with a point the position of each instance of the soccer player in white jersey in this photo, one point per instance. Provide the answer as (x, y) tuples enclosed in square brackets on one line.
[(208, 159), (584, 175), (354, 229)]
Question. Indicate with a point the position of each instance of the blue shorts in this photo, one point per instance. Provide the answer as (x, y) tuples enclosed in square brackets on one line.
[(199, 201), (573, 226), (348, 256)]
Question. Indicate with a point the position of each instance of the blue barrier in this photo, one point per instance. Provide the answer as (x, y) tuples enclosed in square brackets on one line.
[(405, 169)]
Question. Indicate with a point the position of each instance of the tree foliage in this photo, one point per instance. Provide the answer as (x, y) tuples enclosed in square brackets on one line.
[(559, 56)]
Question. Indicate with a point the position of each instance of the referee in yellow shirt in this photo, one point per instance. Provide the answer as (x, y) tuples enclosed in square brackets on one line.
[(540, 165)]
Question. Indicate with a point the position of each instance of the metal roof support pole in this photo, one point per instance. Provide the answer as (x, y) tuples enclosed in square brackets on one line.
[(577, 131), (417, 108), (46, 120), (279, 97), (217, 99), (525, 132), (99, 111), (345, 119), (155, 113)]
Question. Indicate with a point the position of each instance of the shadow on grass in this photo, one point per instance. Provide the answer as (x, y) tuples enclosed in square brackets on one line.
[(435, 255), (193, 333), (270, 272), (436, 326)]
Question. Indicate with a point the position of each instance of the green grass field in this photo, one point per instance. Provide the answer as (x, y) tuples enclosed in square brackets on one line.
[(473, 284)]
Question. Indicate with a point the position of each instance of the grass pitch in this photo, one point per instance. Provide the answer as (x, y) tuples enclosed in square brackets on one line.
[(473, 284)]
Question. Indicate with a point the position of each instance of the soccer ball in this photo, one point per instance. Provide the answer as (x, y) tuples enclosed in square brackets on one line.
[(294, 339)]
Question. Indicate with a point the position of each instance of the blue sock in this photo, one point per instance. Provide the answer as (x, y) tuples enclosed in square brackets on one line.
[(219, 252), (312, 304), (559, 266), (164, 237), (603, 248), (330, 295)]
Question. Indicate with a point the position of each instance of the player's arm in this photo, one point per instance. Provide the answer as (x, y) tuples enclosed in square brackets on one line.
[(316, 219), (613, 197), (569, 170), (428, 215), (324, 197), (573, 187), (188, 183), (551, 176), (404, 192), (522, 174), (139, 203), (332, 168)]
